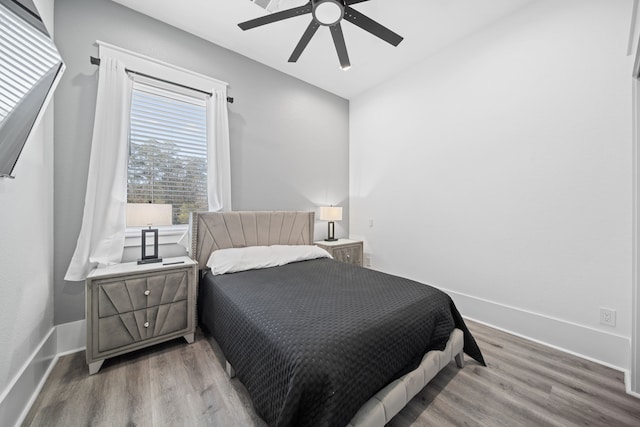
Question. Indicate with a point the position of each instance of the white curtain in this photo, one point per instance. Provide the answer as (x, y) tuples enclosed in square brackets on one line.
[(218, 157), (101, 239)]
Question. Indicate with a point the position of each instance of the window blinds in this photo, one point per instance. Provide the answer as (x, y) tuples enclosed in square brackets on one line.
[(30, 67), (27, 56), (168, 151)]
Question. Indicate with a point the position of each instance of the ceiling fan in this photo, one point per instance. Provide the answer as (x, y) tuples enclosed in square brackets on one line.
[(328, 13)]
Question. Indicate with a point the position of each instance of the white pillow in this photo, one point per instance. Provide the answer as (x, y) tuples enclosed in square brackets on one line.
[(233, 260)]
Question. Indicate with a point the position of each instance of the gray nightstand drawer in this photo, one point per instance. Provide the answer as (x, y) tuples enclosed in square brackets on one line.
[(344, 250), (134, 326), (121, 296), (349, 255)]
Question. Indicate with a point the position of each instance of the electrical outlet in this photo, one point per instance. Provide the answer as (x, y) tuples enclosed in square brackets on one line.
[(367, 260), (607, 317)]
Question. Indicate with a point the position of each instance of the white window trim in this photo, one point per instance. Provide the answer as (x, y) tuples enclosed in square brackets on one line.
[(153, 67), (167, 235), (152, 87)]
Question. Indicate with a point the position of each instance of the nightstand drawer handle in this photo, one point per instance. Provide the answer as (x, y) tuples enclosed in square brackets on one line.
[(147, 292), (146, 324)]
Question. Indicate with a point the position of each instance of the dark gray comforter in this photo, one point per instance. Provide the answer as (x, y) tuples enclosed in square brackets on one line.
[(312, 341)]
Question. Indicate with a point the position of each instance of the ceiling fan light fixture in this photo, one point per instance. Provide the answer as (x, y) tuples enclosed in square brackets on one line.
[(328, 12)]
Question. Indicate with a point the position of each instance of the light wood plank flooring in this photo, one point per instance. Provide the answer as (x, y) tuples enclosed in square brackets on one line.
[(175, 384)]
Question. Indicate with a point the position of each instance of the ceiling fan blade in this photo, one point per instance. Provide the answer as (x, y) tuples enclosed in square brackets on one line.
[(275, 17), (371, 26), (350, 2), (341, 47), (304, 40)]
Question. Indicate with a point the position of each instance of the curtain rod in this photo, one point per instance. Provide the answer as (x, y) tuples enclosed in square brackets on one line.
[(96, 61)]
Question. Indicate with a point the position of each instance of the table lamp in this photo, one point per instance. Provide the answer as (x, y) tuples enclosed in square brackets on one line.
[(331, 214), (149, 214)]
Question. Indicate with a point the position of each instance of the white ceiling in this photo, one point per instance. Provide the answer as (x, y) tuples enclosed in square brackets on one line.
[(426, 25)]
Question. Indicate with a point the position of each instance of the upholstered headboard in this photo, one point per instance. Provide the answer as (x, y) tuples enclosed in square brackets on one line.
[(211, 231)]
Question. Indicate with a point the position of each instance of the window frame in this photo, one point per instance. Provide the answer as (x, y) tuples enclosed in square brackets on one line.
[(162, 70)]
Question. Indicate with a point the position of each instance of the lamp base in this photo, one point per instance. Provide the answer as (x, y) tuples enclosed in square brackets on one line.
[(330, 232), (149, 260)]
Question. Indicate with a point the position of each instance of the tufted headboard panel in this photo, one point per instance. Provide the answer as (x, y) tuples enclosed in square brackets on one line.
[(211, 231)]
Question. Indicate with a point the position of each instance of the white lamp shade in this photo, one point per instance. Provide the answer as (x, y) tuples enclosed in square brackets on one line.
[(148, 214), (330, 213)]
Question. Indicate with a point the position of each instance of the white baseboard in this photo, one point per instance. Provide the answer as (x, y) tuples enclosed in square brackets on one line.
[(22, 391), (611, 350), (71, 337), (627, 382), (19, 395)]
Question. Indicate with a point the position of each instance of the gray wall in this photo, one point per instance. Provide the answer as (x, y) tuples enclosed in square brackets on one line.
[(289, 140)]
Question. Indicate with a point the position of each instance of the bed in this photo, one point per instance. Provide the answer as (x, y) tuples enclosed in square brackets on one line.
[(318, 342)]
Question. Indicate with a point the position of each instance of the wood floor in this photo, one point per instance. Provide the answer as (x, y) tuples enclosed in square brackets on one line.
[(175, 384)]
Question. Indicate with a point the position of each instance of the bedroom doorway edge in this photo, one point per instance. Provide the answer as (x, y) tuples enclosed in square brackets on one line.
[(633, 380)]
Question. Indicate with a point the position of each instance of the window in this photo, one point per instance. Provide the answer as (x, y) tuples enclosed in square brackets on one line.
[(30, 68), (168, 150)]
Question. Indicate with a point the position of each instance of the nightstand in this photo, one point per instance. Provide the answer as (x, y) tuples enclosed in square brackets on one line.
[(344, 250), (131, 306)]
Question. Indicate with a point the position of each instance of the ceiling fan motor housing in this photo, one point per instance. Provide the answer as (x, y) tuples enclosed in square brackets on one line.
[(328, 12)]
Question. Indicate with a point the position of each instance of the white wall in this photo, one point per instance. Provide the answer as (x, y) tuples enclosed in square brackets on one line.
[(501, 170), (26, 255)]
